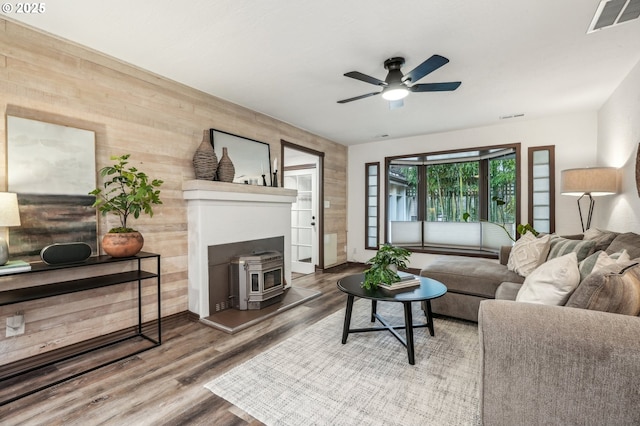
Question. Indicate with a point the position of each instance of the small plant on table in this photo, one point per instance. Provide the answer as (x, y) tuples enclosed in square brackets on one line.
[(384, 266)]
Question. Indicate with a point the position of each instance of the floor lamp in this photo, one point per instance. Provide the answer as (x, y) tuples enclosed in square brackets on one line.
[(590, 181), (9, 216)]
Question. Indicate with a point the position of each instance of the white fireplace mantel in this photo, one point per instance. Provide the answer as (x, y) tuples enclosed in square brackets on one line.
[(222, 213), (209, 190)]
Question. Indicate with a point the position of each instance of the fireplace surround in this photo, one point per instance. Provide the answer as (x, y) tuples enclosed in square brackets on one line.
[(223, 279), (223, 213)]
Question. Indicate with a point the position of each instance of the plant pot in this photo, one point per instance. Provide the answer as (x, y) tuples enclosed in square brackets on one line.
[(124, 244)]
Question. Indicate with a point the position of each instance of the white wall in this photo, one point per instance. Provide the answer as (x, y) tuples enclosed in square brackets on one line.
[(618, 139), (574, 136)]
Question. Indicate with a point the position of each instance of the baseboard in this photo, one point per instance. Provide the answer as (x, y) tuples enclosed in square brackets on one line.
[(342, 266), (192, 316)]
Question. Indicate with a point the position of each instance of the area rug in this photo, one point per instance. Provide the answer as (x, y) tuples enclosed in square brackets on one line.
[(313, 379)]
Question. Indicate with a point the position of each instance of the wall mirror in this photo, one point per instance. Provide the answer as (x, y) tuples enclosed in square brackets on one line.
[(52, 168), (251, 158)]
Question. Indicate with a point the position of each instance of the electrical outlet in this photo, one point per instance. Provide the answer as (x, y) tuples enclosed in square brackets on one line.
[(15, 325)]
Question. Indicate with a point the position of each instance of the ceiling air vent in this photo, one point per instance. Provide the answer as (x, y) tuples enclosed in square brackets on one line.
[(614, 12)]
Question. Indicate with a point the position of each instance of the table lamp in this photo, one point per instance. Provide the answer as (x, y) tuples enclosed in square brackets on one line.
[(9, 216), (590, 181)]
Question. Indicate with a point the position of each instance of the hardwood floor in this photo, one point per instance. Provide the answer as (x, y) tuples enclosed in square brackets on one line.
[(165, 385)]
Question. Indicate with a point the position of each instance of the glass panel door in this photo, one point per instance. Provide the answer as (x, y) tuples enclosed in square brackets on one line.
[(303, 219)]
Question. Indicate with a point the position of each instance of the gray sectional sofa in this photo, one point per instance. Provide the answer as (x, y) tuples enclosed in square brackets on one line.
[(555, 365), (577, 364), (471, 280)]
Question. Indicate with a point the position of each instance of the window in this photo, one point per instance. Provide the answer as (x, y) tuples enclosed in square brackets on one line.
[(460, 200), (372, 209), (542, 188)]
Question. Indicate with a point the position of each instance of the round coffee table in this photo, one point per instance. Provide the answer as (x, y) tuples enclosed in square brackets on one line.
[(429, 289)]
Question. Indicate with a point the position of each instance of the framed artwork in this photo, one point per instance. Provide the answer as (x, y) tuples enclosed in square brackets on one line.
[(250, 158), (52, 168)]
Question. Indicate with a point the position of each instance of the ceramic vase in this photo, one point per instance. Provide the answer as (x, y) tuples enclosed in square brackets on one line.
[(226, 170)]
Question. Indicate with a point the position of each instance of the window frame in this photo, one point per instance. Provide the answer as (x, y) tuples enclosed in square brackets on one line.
[(375, 164), (552, 185), (483, 190)]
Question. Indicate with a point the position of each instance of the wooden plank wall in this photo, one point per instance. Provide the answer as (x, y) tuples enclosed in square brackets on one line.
[(160, 123)]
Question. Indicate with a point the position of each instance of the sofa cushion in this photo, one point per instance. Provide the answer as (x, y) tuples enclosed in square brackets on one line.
[(602, 238), (599, 260), (560, 246), (628, 241), (508, 291), (614, 288), (552, 282), (469, 275), (528, 253)]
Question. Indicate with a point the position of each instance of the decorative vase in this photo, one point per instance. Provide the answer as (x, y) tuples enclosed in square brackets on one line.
[(226, 170), (123, 244), (205, 161)]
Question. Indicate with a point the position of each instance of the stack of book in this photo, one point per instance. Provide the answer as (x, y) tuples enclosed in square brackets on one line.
[(407, 281), (14, 266)]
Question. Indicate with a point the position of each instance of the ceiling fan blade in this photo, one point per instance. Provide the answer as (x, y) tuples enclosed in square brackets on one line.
[(428, 66), (435, 87), (366, 78), (344, 101), (396, 104)]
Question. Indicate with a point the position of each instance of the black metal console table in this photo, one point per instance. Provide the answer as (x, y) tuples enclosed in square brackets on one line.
[(10, 373)]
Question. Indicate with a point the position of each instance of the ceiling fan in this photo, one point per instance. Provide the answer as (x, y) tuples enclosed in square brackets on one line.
[(397, 86)]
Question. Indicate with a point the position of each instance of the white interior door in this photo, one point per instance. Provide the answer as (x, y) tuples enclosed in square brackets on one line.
[(304, 214)]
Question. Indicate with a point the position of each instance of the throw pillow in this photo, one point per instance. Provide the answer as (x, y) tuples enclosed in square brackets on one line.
[(614, 288), (602, 238), (552, 282), (561, 246), (599, 260), (628, 241), (527, 253)]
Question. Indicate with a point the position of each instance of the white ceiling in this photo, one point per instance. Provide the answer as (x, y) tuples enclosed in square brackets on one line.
[(286, 58)]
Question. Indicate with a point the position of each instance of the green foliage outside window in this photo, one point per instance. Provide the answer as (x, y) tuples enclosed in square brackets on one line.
[(453, 189)]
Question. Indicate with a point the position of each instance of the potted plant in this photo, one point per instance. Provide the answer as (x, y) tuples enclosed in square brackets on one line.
[(385, 265), (125, 192)]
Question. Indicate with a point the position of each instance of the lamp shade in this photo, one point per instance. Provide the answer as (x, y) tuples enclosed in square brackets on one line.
[(590, 180), (9, 213)]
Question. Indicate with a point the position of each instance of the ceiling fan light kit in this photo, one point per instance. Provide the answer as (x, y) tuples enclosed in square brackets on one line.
[(395, 94), (397, 86)]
